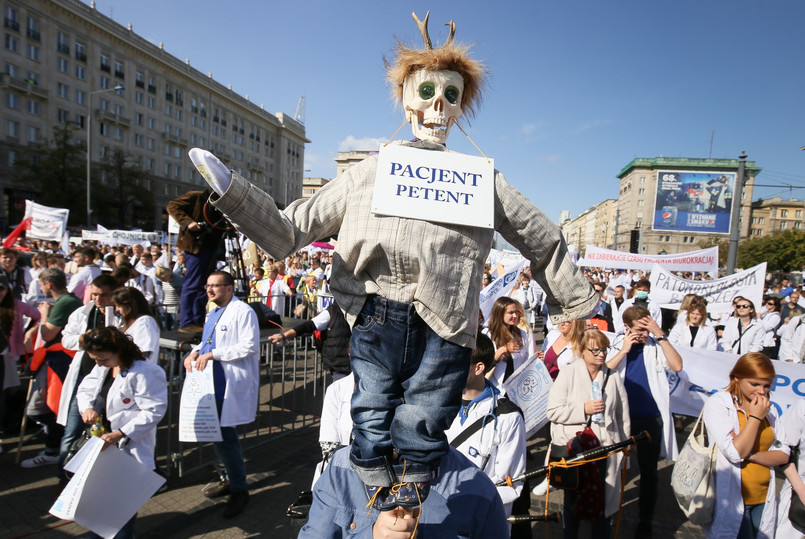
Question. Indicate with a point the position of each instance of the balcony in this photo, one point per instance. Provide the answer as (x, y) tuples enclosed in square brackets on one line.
[(12, 24), (168, 137), (33, 34), (7, 81), (119, 75), (80, 56), (63, 48), (105, 67), (111, 117)]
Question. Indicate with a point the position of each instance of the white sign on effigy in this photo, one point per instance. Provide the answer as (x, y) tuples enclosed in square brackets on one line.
[(528, 388), (444, 187), (107, 489), (198, 414)]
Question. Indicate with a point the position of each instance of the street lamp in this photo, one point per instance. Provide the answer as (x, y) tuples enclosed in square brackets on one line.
[(117, 88)]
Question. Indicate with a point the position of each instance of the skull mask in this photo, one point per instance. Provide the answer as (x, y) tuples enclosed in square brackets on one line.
[(433, 99)]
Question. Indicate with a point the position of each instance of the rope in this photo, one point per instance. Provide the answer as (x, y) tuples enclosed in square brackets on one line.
[(473, 142), (407, 119)]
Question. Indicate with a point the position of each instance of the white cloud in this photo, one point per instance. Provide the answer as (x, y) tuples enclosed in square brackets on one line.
[(527, 129), (591, 125), (551, 158), (367, 143)]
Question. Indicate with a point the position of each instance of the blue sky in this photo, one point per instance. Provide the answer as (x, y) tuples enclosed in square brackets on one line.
[(578, 88)]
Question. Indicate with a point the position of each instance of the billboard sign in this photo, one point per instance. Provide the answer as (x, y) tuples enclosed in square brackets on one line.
[(693, 201)]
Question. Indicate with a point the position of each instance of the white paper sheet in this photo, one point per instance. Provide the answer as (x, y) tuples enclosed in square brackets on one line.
[(198, 414)]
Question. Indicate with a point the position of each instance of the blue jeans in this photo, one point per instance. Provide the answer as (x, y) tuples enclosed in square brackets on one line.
[(73, 429), (408, 391), (193, 300), (648, 455), (231, 454), (751, 520)]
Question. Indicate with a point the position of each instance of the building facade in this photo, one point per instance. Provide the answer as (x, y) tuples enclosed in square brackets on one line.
[(310, 186), (62, 62), (636, 199), (775, 215), (595, 226)]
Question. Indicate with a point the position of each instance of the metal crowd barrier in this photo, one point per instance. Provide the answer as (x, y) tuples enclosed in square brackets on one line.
[(292, 383)]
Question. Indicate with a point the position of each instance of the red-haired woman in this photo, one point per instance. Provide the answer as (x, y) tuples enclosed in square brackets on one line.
[(741, 421)]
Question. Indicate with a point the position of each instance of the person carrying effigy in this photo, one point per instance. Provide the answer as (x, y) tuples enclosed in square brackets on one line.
[(409, 286)]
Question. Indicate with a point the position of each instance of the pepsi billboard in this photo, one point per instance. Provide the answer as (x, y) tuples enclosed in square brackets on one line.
[(693, 201)]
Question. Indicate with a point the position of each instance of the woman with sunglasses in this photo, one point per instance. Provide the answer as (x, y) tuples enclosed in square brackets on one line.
[(771, 321), (128, 394), (743, 332), (571, 407), (741, 421)]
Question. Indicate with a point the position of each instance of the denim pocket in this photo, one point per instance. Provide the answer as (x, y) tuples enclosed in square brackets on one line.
[(365, 323), (354, 522)]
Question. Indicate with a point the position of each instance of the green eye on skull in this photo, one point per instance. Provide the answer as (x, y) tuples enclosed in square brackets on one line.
[(451, 94), (427, 90)]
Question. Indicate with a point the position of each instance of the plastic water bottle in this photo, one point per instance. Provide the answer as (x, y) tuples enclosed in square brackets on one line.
[(597, 396)]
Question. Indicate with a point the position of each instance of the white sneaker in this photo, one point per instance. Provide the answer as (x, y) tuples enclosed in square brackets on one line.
[(42, 459), (542, 489)]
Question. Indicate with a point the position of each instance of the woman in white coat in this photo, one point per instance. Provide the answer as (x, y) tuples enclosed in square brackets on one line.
[(770, 320), (513, 345), (571, 405), (741, 422), (693, 331), (138, 321), (127, 394), (791, 432), (743, 333)]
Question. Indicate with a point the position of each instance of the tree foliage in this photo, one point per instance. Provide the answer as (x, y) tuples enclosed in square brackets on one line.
[(124, 198), (723, 249), (784, 251)]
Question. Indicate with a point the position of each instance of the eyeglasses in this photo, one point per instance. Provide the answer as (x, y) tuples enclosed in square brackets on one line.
[(742, 306), (596, 351), (769, 303)]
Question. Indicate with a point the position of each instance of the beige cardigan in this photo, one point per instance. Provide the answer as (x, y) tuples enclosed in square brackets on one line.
[(571, 389)]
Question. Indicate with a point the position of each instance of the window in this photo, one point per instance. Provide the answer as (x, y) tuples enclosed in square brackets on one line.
[(33, 52), (11, 43), (192, 138), (167, 173), (798, 214), (33, 107), (117, 133), (149, 164), (80, 72), (139, 79), (104, 104), (32, 78), (177, 152), (169, 110), (11, 100), (33, 134), (138, 118), (151, 102), (11, 18), (783, 213), (640, 203), (177, 171), (149, 143), (62, 43), (138, 139), (783, 225), (12, 128), (63, 116), (798, 225), (178, 114), (138, 98), (11, 70), (104, 129), (80, 52), (104, 83), (80, 97), (79, 121), (168, 129), (193, 121), (150, 122), (119, 110), (62, 65), (62, 90), (166, 149), (105, 63), (119, 70)]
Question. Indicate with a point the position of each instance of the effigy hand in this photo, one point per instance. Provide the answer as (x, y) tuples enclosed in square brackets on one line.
[(212, 169)]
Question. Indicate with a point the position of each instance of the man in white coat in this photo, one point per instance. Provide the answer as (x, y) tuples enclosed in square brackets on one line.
[(489, 429), (231, 341), (641, 362)]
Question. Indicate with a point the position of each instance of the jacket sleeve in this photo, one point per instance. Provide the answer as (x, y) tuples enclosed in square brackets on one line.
[(247, 341), (150, 390), (511, 455), (712, 341), (76, 326), (567, 293), (180, 208), (88, 389), (757, 339), (719, 424), (791, 426), (561, 408)]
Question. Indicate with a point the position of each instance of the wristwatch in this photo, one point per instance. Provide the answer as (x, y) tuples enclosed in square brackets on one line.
[(663, 338)]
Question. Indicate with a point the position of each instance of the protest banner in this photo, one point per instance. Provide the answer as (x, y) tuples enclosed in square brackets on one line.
[(528, 388), (444, 187), (704, 260), (122, 237), (107, 489), (46, 223), (501, 286), (198, 414), (668, 290), (505, 258)]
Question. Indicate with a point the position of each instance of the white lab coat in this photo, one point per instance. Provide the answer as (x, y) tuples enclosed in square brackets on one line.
[(791, 432), (135, 404), (501, 443), (705, 337), (788, 348), (275, 293), (237, 347), (145, 334), (656, 364), (336, 419), (751, 339), (529, 349), (565, 355), (721, 421), (76, 326), (770, 323)]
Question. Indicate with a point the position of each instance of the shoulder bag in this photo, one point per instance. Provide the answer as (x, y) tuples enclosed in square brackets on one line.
[(693, 480)]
